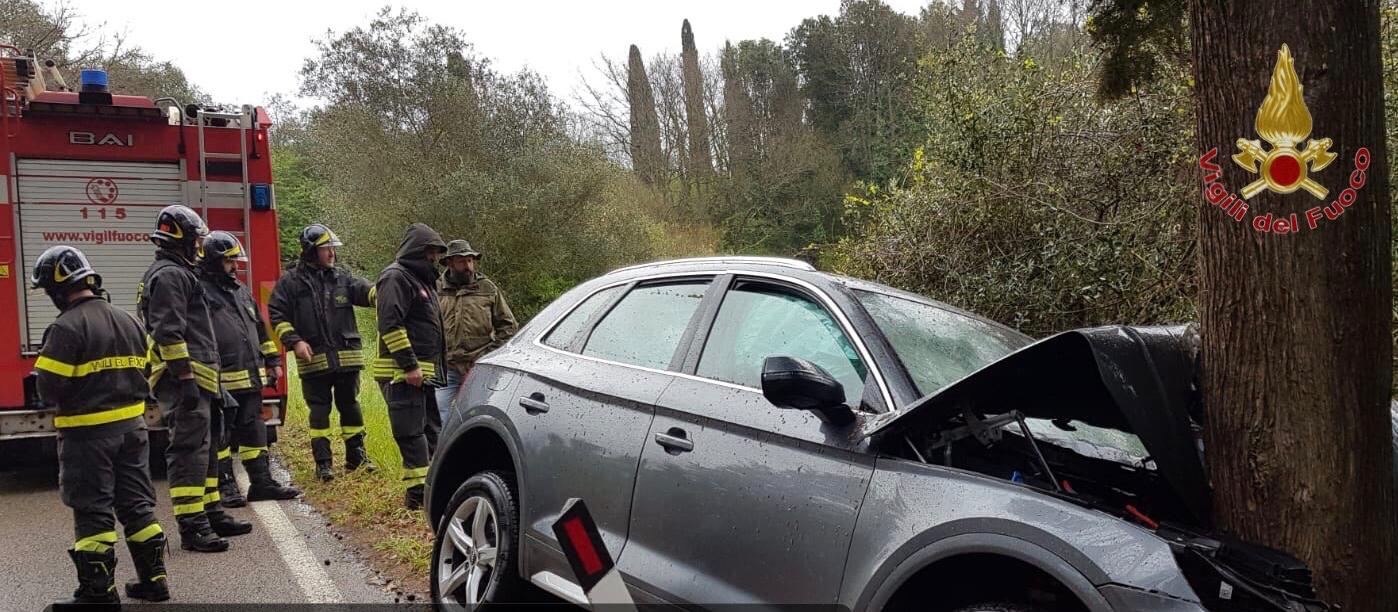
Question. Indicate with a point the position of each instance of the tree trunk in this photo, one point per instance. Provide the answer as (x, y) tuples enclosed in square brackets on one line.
[(1296, 325)]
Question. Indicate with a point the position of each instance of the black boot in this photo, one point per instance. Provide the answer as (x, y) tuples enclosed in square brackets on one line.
[(356, 457), (149, 557), (96, 582), (412, 499), (320, 449), (226, 525), (229, 495), (262, 485), (197, 535)]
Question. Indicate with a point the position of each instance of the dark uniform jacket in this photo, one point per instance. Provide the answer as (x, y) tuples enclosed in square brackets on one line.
[(171, 301), (245, 350), (316, 305), (92, 368), (410, 320), (475, 316)]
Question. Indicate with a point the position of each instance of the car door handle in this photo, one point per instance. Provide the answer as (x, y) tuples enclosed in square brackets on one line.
[(534, 404), (675, 440)]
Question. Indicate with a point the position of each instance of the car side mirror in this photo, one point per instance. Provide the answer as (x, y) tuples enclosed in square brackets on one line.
[(797, 384)]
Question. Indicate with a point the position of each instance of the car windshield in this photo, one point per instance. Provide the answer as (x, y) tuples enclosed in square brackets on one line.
[(937, 346)]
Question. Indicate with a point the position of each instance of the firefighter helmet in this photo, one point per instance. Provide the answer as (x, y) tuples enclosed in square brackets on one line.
[(62, 269), (219, 247), (178, 227), (315, 236)]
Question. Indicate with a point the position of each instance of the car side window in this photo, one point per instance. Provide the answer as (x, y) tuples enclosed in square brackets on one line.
[(756, 321), (567, 330), (645, 327)]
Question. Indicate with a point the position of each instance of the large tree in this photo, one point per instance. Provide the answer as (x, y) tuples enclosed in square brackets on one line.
[(783, 188), (700, 161), (646, 155), (1296, 349), (855, 70), (472, 152)]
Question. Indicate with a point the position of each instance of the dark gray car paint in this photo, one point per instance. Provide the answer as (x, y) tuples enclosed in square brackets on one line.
[(978, 537), (587, 444), (911, 506), (779, 479), (904, 503)]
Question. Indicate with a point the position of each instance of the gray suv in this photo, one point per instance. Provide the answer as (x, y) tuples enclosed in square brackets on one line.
[(750, 430)]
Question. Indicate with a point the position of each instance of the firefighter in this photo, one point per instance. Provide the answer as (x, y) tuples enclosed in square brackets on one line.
[(312, 310), (91, 368), (183, 361), (248, 361), (411, 353), (475, 317)]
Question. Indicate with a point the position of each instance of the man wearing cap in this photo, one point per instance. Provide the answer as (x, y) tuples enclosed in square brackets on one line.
[(475, 316)]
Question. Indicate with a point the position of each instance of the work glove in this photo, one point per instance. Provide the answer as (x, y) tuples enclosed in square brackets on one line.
[(189, 393), (226, 399)]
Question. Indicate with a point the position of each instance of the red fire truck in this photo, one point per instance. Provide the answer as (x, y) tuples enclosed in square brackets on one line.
[(91, 169)]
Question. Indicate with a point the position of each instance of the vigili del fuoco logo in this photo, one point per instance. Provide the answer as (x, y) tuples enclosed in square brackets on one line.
[(1291, 162)]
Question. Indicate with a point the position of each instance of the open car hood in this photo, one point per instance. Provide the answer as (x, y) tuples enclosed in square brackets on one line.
[(1139, 380)]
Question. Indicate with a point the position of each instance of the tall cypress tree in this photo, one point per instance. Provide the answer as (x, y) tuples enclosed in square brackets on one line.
[(737, 113), (700, 159), (647, 158)]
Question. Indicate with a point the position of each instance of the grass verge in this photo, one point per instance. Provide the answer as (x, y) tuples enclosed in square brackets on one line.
[(368, 508)]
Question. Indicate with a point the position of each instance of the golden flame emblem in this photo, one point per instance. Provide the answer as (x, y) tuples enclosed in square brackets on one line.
[(1284, 122)]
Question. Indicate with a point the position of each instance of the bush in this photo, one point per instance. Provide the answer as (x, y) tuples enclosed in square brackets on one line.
[(1033, 204)]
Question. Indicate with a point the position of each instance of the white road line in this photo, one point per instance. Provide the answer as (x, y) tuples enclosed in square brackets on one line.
[(314, 581)]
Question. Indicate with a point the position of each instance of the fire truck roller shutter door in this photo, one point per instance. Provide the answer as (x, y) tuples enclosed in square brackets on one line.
[(105, 208)]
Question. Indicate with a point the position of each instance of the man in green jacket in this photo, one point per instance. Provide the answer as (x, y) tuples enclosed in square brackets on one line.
[(475, 317)]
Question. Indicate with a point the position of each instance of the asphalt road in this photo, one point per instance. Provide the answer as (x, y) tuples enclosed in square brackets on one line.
[(289, 557)]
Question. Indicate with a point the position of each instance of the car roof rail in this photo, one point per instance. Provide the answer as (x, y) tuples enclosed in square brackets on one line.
[(725, 259)]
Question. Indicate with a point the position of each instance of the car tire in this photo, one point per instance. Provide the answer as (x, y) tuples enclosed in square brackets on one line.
[(1001, 606), (483, 508)]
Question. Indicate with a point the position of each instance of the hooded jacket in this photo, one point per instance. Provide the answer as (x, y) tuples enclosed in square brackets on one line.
[(92, 368), (171, 302), (245, 350), (316, 305), (475, 316), (410, 319)]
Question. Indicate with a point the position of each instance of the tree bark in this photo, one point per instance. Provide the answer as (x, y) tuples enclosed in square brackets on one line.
[(1296, 327)]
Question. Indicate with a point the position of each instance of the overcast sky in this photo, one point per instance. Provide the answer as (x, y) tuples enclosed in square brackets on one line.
[(249, 50)]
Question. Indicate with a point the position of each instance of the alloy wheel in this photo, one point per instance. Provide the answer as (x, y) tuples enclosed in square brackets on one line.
[(469, 550)]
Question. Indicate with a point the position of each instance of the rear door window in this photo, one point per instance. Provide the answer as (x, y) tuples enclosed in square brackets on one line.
[(567, 330), (646, 326), (757, 321)]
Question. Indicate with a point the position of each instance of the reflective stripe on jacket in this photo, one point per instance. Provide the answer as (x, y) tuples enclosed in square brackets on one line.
[(92, 369), (171, 303), (245, 350), (410, 326), (316, 305)]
